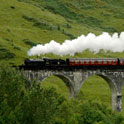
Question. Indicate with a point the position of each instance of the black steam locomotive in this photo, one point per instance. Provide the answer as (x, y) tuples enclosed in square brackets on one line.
[(45, 63), (72, 63)]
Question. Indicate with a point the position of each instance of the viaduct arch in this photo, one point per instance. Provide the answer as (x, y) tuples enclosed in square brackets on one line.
[(111, 85), (67, 82), (74, 79)]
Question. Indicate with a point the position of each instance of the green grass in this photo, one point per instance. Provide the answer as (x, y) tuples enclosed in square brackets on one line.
[(41, 21), (25, 23), (57, 83)]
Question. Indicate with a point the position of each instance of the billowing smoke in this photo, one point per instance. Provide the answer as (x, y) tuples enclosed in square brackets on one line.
[(114, 43)]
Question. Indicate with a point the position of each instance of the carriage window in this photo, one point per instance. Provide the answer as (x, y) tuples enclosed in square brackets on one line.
[(100, 62), (89, 61), (105, 62), (84, 61), (79, 62), (108, 62), (96, 62), (92, 62)]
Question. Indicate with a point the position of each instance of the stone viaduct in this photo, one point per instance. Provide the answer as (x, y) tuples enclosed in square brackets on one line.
[(75, 78)]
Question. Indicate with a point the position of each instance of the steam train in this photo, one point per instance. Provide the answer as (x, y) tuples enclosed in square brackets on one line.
[(72, 63)]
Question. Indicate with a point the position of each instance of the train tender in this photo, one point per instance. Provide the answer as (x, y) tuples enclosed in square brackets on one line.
[(85, 63)]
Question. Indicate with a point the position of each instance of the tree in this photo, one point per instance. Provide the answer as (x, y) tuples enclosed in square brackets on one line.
[(12, 88), (35, 105), (95, 113), (41, 105)]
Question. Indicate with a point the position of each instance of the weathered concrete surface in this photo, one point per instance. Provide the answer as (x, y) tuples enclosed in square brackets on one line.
[(74, 80)]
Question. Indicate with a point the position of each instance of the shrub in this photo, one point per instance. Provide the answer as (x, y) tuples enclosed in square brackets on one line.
[(68, 26), (87, 7), (54, 6), (29, 42), (11, 94), (41, 105), (16, 47), (119, 15), (92, 21), (40, 23), (6, 54), (58, 28), (68, 34), (109, 29), (94, 113)]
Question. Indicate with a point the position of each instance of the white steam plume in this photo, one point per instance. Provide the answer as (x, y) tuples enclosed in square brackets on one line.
[(92, 42)]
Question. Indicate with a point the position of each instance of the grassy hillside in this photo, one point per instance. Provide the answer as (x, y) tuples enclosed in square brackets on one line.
[(25, 23)]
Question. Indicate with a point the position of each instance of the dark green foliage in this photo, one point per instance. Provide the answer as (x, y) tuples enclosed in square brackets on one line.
[(54, 6), (45, 25), (109, 29), (11, 93), (94, 113), (29, 18), (8, 40), (12, 7), (61, 9), (87, 7), (16, 47), (68, 26), (21, 103), (58, 27), (69, 35), (67, 113), (120, 15), (92, 21), (29, 42), (40, 23), (41, 105), (116, 3), (72, 10), (91, 5), (6, 54)]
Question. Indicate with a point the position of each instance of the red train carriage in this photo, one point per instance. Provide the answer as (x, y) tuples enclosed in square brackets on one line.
[(94, 62)]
